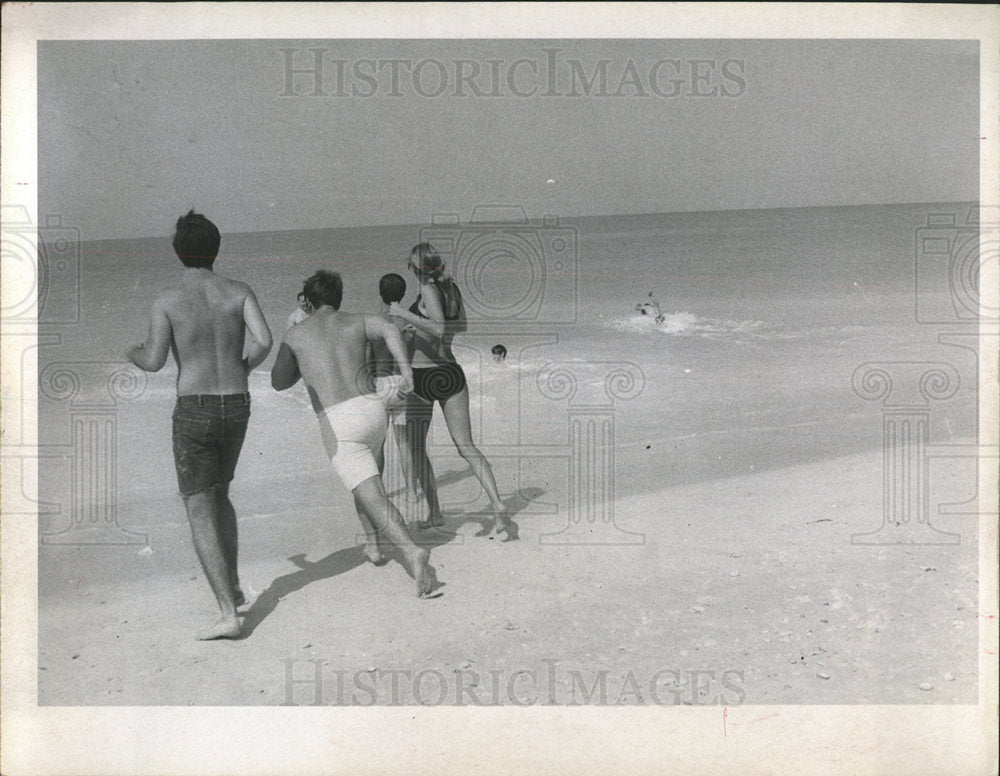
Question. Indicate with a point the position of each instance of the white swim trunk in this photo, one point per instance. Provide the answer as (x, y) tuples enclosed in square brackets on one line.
[(352, 431)]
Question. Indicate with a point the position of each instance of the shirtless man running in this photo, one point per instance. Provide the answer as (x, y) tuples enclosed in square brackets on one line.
[(327, 350), (203, 320)]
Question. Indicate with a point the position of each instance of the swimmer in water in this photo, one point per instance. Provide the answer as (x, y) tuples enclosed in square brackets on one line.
[(499, 353), (646, 308)]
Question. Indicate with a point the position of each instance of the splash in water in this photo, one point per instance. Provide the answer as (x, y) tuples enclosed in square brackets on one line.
[(652, 309)]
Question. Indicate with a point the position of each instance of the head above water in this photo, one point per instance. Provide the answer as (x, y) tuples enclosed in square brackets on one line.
[(196, 241), (426, 262), (499, 352), (392, 288), (324, 288)]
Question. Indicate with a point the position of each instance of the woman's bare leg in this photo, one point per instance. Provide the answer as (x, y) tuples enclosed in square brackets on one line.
[(456, 416)]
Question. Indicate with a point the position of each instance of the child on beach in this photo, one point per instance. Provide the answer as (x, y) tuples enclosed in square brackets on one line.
[(392, 288)]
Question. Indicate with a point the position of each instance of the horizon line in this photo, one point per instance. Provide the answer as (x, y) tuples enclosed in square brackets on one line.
[(537, 220)]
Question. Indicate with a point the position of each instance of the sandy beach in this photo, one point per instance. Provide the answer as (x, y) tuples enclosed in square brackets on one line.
[(690, 496), (752, 575)]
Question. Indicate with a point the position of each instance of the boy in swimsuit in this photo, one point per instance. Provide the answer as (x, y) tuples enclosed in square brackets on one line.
[(392, 288), (327, 350), (203, 320)]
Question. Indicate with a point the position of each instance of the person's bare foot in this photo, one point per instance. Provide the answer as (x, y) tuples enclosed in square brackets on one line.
[(373, 552), (417, 560), (501, 523), (434, 521), (224, 628)]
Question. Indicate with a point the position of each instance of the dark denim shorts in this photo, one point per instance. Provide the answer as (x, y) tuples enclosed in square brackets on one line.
[(208, 436)]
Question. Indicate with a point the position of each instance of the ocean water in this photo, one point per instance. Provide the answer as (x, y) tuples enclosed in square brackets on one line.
[(765, 316)]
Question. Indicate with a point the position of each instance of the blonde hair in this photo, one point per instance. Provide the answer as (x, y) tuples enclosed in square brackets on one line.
[(428, 264)]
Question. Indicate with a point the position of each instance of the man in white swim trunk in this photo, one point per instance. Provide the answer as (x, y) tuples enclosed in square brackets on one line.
[(327, 350)]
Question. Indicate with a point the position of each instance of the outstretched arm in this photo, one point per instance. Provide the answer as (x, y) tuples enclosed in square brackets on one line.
[(285, 371), (151, 355), (260, 335)]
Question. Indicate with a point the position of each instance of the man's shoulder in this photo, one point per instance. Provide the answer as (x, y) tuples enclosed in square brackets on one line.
[(371, 320), (236, 287), (296, 332), (347, 320), (168, 297)]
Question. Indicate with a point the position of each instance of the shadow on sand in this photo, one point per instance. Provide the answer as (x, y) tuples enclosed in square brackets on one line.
[(439, 535), (339, 562), (349, 558)]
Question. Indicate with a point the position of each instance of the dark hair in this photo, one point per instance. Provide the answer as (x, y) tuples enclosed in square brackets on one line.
[(391, 288), (196, 241), (428, 263), (324, 287), (498, 350)]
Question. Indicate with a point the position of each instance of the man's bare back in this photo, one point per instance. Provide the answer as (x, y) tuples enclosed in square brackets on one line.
[(329, 352), (203, 321)]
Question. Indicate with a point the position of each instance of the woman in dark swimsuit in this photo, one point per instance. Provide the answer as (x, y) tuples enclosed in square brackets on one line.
[(437, 315)]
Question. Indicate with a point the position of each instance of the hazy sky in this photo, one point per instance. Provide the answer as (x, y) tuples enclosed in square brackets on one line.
[(132, 134)]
